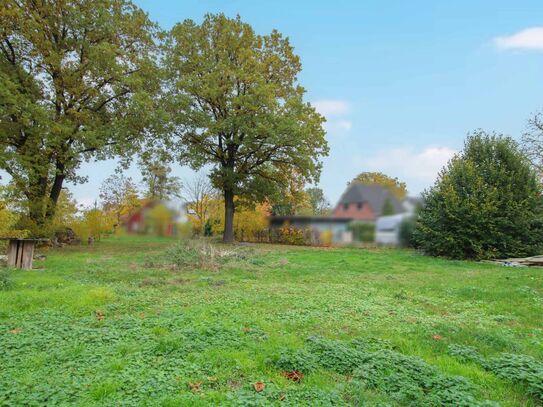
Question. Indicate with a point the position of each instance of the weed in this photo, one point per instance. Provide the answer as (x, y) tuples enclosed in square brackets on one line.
[(465, 354), (520, 369), (6, 283), (295, 360)]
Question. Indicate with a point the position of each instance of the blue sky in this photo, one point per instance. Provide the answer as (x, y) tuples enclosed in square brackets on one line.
[(401, 82)]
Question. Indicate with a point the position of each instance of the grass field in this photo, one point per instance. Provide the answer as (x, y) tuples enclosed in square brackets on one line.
[(117, 324)]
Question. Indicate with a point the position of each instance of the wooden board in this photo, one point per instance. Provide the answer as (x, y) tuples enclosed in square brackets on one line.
[(27, 255), (12, 253)]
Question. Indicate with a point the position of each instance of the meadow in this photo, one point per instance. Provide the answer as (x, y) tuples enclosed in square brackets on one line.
[(150, 321)]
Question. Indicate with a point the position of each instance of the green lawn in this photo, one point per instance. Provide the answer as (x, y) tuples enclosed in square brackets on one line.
[(116, 324)]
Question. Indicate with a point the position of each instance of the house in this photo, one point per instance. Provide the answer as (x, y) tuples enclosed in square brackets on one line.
[(366, 203), (362, 203), (154, 217)]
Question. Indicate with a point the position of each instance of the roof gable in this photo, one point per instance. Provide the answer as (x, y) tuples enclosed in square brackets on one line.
[(374, 195)]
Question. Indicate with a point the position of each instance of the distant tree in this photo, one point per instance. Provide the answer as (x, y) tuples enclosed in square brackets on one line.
[(77, 80), (289, 197), (66, 210), (532, 142), (237, 106), (485, 204), (158, 183), (119, 196), (8, 217), (395, 186), (319, 204), (200, 198)]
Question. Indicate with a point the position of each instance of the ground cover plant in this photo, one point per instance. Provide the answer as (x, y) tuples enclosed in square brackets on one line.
[(153, 321)]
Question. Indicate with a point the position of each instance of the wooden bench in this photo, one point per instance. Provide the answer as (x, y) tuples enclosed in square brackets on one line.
[(21, 252)]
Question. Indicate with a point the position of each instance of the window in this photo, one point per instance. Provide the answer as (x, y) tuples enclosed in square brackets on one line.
[(345, 206), (359, 205)]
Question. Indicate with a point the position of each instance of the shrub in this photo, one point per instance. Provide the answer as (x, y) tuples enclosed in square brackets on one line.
[(291, 235), (406, 234), (362, 231), (485, 204)]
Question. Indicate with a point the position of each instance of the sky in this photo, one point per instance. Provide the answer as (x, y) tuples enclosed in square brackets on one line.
[(401, 83)]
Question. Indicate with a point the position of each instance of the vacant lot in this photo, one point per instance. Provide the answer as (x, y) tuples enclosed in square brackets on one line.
[(127, 322)]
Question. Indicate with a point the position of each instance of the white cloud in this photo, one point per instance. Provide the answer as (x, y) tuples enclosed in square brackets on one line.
[(336, 113), (418, 168), (332, 108), (345, 124), (529, 38), (338, 125)]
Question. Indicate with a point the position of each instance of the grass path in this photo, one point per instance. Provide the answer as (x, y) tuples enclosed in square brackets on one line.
[(112, 325)]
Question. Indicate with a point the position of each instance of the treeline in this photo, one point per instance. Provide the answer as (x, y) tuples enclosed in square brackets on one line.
[(88, 81)]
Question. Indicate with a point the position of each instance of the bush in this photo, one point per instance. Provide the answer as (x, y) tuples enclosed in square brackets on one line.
[(406, 233), (485, 204), (294, 236), (362, 231)]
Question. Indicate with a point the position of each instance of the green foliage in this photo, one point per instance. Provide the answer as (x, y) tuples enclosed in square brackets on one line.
[(6, 282), (77, 83), (319, 204), (119, 196), (362, 231), (407, 380), (406, 234), (486, 204), (388, 208), (465, 353), (520, 369), (300, 360), (158, 182), (236, 95)]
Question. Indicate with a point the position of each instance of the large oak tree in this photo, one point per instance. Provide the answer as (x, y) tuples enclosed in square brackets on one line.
[(239, 108), (77, 80)]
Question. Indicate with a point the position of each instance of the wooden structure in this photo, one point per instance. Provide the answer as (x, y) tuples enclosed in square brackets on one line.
[(534, 261), (21, 252)]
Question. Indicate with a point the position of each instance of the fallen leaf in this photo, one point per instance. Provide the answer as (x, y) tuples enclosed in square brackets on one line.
[(295, 375), (259, 386), (99, 315), (195, 387), (16, 331), (282, 397), (437, 337)]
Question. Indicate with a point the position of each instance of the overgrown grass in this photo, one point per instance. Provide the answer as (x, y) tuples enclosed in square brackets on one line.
[(130, 321)]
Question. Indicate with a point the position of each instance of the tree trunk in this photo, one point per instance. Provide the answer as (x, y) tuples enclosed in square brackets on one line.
[(228, 236), (54, 195)]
